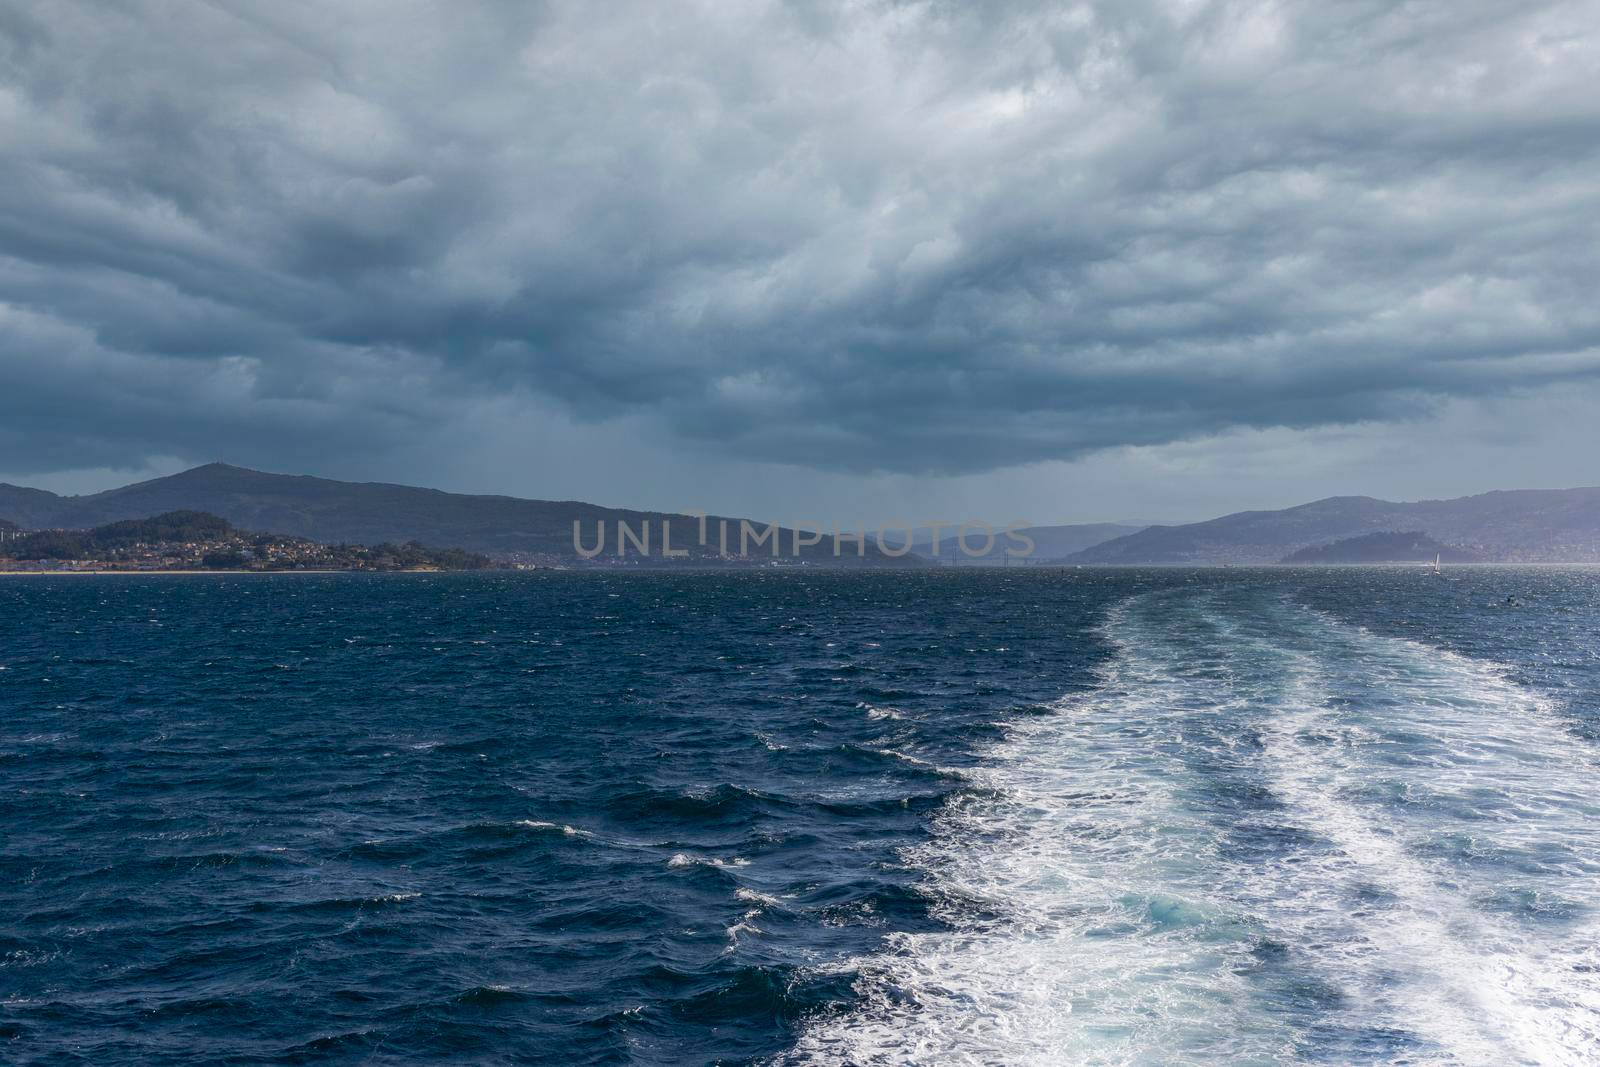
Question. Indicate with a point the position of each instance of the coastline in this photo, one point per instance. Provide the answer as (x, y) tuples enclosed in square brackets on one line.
[(107, 572)]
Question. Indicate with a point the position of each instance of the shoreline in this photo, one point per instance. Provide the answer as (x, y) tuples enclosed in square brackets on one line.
[(1043, 568), (168, 573)]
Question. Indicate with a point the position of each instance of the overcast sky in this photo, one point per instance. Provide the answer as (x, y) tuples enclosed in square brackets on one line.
[(1145, 259)]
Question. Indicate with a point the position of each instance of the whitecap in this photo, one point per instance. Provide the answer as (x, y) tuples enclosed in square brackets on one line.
[(540, 824)]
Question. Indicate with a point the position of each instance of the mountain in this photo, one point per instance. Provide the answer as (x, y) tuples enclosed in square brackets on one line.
[(329, 511), (1050, 542), (1511, 526), (1527, 525), (1388, 547), (1056, 542), (23, 507)]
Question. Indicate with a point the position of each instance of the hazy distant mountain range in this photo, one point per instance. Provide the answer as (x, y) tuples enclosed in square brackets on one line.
[(1517, 526), (370, 513), (1049, 542), (1530, 525)]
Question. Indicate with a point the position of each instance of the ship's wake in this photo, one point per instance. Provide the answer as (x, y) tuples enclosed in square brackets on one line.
[(1267, 836)]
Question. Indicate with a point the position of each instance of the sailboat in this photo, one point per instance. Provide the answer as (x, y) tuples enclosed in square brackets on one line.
[(1436, 569)]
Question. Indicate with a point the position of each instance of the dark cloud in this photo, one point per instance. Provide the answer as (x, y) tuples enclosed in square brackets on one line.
[(878, 236)]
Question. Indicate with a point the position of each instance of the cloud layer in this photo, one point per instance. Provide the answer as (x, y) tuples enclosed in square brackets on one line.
[(874, 236)]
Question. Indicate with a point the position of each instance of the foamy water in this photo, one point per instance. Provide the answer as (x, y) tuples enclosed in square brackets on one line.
[(1266, 837)]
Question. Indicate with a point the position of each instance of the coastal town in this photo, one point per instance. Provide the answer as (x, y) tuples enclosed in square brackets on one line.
[(197, 541)]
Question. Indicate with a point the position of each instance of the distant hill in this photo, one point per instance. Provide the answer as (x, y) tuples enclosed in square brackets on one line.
[(1056, 542), (329, 511), (23, 506), (172, 526), (1515, 526), (1387, 547), (1050, 542)]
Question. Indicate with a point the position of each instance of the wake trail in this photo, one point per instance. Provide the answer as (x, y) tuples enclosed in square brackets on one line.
[(1266, 836)]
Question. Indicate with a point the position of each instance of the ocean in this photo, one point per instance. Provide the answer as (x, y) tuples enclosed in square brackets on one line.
[(980, 816)]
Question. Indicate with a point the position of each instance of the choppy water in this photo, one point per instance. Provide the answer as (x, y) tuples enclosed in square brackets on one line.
[(955, 817)]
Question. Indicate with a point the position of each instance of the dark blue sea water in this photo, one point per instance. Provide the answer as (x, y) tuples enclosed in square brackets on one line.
[(1036, 816)]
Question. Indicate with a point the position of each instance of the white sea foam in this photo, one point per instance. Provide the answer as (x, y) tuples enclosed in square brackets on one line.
[(769, 744), (751, 896), (874, 712), (540, 824), (395, 898), (683, 859), (746, 925), (1498, 801), (1266, 836)]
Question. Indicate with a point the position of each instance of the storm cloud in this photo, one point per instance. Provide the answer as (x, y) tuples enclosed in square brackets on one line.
[(870, 236)]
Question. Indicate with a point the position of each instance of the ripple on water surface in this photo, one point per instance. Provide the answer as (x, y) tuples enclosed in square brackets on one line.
[(1147, 817)]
